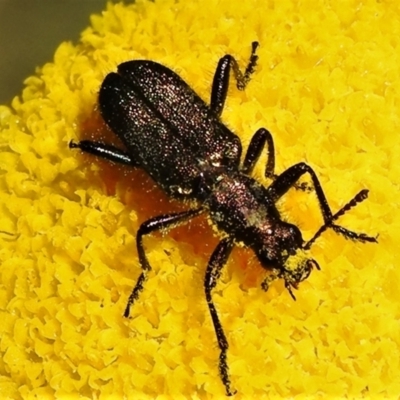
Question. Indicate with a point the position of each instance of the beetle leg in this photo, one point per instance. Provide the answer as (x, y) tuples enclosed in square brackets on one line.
[(221, 78), (217, 261), (359, 197), (258, 141), (288, 179), (106, 151), (151, 225), (272, 277)]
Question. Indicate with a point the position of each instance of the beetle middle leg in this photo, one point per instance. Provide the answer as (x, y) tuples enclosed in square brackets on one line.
[(214, 268), (261, 138), (288, 178), (151, 225)]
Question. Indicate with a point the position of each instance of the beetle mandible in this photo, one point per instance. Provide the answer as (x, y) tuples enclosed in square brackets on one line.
[(180, 141)]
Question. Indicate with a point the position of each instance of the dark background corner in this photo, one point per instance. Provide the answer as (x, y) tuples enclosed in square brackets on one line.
[(30, 32)]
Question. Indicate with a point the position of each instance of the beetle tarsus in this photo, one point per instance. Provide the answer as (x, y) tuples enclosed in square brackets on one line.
[(362, 237)]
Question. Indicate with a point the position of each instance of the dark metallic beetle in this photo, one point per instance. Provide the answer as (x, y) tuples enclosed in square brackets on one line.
[(180, 141)]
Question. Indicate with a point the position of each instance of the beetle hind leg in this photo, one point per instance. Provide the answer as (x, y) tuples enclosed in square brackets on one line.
[(106, 151), (220, 83)]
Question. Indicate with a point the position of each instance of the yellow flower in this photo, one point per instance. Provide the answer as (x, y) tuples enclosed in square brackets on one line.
[(327, 85)]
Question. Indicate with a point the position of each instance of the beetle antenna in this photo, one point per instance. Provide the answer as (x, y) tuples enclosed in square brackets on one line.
[(358, 198)]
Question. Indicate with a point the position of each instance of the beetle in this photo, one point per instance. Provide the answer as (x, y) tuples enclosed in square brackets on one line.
[(181, 142)]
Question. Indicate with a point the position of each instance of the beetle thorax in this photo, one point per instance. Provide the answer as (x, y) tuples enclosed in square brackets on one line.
[(240, 207)]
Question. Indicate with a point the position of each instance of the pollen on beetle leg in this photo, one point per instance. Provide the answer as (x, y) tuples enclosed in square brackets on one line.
[(273, 276)]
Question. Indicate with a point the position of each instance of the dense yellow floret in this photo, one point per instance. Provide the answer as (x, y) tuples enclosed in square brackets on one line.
[(327, 86)]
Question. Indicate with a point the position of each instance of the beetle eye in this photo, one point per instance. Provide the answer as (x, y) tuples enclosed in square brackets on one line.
[(291, 238)]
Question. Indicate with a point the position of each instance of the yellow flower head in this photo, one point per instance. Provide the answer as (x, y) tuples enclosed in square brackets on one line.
[(327, 85)]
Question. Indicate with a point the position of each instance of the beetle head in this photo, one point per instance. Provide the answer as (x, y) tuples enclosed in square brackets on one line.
[(275, 242), (277, 251), (299, 273)]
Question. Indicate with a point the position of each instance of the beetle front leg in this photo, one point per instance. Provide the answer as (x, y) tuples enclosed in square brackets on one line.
[(151, 225), (217, 261), (288, 178), (358, 198), (221, 78), (106, 151)]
